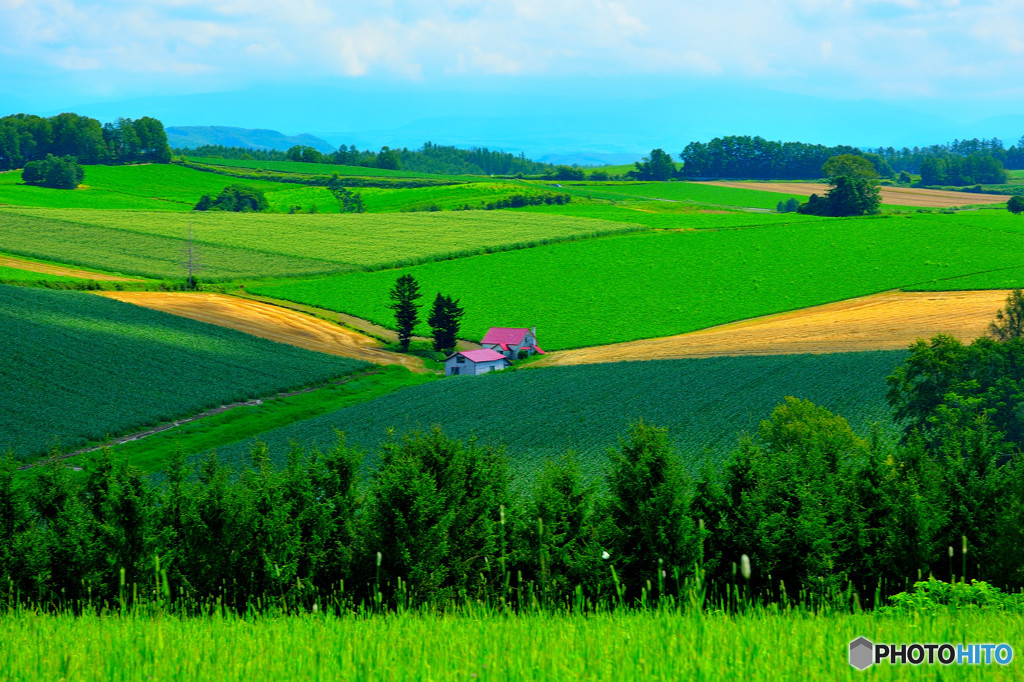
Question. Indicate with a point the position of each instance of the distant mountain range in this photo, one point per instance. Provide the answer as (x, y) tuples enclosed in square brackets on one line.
[(604, 121), (257, 138)]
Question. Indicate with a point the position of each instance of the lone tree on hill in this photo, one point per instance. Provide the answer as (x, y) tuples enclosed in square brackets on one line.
[(444, 320), (854, 190), (403, 302), (1015, 205)]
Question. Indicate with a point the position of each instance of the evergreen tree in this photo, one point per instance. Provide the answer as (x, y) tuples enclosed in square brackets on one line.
[(403, 302), (444, 320)]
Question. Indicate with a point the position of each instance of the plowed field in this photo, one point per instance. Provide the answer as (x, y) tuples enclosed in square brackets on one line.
[(887, 321), (269, 322), (896, 196), (33, 266)]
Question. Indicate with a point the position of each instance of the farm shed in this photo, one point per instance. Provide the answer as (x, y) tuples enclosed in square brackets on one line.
[(510, 340), (474, 362)]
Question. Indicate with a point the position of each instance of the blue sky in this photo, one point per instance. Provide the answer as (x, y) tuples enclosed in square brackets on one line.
[(964, 57)]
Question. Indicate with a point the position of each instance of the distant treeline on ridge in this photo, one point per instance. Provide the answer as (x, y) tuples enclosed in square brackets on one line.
[(25, 138), (430, 158), (961, 162)]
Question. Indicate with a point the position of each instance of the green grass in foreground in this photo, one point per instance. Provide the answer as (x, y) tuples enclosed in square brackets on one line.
[(286, 244), (209, 433), (759, 645), (79, 367), (541, 413), (652, 284)]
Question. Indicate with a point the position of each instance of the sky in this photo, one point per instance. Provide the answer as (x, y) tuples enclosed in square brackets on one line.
[(961, 59)]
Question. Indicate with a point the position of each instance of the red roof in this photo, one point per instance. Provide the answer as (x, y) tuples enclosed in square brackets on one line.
[(538, 349), (484, 355), (505, 335)]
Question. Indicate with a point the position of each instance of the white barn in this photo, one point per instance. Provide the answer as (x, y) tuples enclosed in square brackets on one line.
[(474, 362)]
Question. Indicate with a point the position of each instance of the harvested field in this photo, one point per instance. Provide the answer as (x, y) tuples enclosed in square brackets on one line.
[(896, 196), (32, 266), (269, 322), (888, 321)]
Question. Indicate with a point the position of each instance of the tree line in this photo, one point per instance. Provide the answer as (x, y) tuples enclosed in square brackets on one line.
[(430, 158), (962, 162), (804, 507), (25, 138)]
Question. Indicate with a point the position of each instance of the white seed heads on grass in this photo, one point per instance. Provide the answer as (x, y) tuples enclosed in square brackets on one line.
[(379, 558), (951, 551), (606, 555), (745, 566)]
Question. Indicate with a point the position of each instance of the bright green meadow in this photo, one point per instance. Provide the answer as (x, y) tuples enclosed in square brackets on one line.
[(667, 645), (152, 243), (79, 367), (652, 284), (18, 275), (542, 413)]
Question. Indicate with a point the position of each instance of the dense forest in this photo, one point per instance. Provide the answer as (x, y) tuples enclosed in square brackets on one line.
[(961, 162), (25, 138), (430, 158)]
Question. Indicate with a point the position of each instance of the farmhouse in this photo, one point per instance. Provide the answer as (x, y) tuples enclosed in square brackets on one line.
[(474, 362), (511, 341)]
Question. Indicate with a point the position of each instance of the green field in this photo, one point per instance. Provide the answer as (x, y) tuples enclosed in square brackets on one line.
[(686, 192), (652, 284), (154, 187), (78, 367), (18, 275), (321, 169), (541, 413), (762, 644), (475, 195), (672, 216), (68, 237), (261, 245)]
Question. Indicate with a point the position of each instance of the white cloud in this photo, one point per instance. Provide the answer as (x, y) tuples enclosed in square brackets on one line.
[(854, 47)]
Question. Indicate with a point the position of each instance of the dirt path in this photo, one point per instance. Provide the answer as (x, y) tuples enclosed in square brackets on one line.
[(32, 266), (887, 321), (270, 322), (896, 196)]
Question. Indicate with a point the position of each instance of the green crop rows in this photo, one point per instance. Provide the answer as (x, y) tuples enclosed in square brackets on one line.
[(540, 413), (18, 275), (283, 244), (689, 192), (318, 168), (627, 287), (79, 367), (56, 235)]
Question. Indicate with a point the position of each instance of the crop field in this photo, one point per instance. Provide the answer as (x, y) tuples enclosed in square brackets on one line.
[(160, 187), (57, 271), (8, 274), (895, 196), (292, 244), (542, 413), (78, 367), (662, 215), (761, 644), (320, 168), (59, 236), (269, 322), (645, 285), (888, 321), (685, 192)]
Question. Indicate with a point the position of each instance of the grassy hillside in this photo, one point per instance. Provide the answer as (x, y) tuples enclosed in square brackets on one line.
[(261, 245), (651, 284), (319, 168), (155, 187), (18, 275), (686, 192), (539, 413), (78, 367)]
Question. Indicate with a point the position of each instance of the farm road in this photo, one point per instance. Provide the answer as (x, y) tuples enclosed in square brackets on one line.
[(895, 196), (270, 322), (887, 321), (32, 266)]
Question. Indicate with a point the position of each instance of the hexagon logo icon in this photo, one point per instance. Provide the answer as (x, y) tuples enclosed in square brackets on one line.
[(862, 653)]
